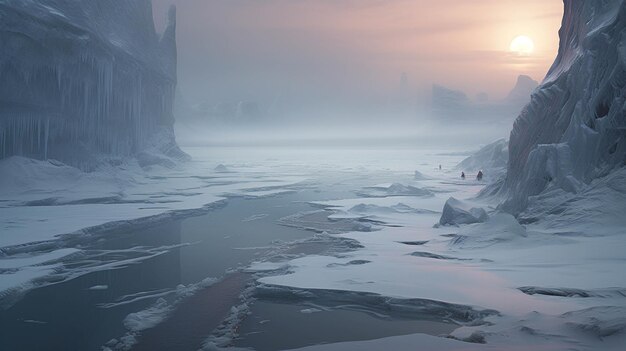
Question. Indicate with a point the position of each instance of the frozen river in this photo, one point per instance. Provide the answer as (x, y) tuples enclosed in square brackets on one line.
[(276, 249), (86, 312)]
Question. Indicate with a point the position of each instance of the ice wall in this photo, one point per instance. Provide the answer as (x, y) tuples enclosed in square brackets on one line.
[(574, 129), (83, 77)]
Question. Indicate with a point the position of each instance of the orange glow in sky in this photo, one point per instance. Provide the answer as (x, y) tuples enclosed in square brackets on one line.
[(361, 46)]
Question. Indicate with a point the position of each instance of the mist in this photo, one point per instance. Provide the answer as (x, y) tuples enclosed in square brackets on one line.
[(353, 73), (314, 175)]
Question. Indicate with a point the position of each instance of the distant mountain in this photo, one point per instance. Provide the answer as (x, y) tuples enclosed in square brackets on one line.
[(520, 95), (454, 105), (448, 99)]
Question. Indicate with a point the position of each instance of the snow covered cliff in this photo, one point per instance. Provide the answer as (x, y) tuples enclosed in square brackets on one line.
[(85, 78), (574, 129)]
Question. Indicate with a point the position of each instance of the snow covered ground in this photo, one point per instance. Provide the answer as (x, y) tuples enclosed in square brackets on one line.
[(553, 282), (556, 283)]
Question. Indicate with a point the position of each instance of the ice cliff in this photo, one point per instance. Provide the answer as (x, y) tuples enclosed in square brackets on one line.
[(85, 78), (574, 129)]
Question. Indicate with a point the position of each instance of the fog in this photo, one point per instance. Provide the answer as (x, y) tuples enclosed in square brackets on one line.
[(319, 175), (356, 73)]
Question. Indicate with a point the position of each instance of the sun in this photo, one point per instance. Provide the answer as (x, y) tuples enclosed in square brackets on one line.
[(522, 45)]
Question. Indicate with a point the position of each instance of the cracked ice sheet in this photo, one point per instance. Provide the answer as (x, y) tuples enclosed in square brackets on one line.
[(25, 268), (394, 272), (397, 210), (128, 192), (527, 322), (401, 209), (64, 200), (112, 196), (519, 262), (484, 277), (411, 343)]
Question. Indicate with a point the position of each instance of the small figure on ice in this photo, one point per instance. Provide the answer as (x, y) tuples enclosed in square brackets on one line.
[(479, 176), (440, 167), (463, 175)]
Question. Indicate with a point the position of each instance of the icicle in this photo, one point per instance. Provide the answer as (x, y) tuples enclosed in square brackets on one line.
[(107, 100), (46, 136)]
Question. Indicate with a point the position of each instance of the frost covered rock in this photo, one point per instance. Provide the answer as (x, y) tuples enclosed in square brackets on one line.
[(81, 78), (458, 212), (573, 129)]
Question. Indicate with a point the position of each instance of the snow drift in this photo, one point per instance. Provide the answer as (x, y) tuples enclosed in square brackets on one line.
[(574, 129), (499, 228), (88, 77), (492, 158)]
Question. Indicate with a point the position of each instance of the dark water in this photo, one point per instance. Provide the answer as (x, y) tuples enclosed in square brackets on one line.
[(66, 316), (70, 316), (277, 326), (187, 327)]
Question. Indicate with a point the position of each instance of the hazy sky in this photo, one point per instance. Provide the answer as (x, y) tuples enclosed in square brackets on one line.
[(341, 52)]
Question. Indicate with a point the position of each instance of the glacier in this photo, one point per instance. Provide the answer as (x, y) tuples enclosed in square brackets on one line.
[(574, 129), (85, 78)]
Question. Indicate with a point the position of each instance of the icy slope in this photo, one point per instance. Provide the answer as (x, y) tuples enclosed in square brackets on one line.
[(492, 157), (84, 77), (574, 129)]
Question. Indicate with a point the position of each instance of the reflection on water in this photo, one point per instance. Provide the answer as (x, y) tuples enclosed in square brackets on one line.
[(66, 316), (86, 312), (138, 266), (187, 327)]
